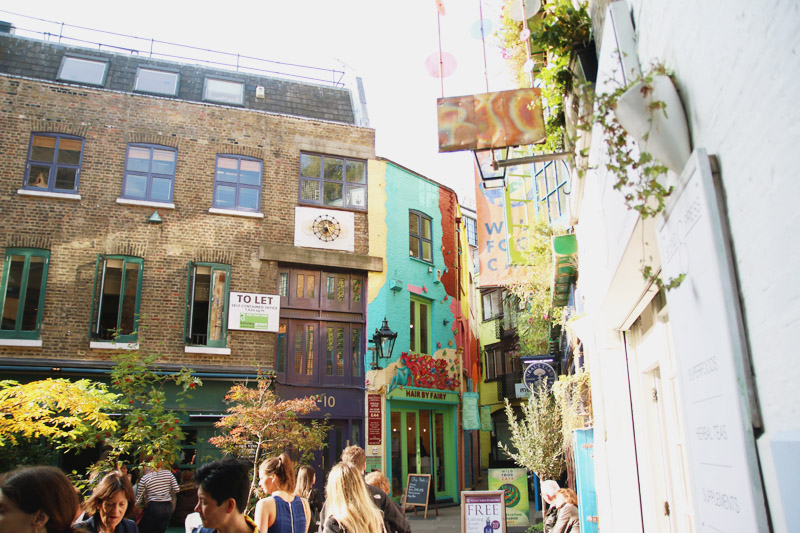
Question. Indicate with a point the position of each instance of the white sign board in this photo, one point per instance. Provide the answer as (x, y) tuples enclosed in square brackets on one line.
[(483, 511), (708, 339), (253, 312), (324, 228)]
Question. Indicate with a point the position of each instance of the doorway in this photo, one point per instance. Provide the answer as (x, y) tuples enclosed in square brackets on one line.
[(417, 447)]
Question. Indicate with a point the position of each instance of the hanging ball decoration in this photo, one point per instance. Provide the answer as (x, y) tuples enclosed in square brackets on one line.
[(528, 65), (475, 29), (524, 35), (514, 9), (448, 61)]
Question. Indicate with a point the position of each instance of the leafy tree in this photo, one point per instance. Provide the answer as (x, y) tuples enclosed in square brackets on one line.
[(260, 425), (70, 415), (536, 437), (149, 430)]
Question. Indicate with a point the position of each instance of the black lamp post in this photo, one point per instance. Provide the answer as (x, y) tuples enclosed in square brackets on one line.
[(493, 175), (383, 339)]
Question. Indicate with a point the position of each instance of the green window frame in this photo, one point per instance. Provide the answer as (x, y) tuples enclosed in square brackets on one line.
[(420, 326), (207, 294), (117, 295), (23, 289)]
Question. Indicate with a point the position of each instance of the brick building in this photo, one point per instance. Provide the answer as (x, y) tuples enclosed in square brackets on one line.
[(138, 193)]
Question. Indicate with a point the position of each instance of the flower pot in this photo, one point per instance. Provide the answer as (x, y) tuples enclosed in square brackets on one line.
[(666, 136)]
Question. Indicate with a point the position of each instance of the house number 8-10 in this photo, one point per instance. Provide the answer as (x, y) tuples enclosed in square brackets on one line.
[(328, 401)]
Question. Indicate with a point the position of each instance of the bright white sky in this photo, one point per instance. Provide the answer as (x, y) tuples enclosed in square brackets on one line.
[(386, 43)]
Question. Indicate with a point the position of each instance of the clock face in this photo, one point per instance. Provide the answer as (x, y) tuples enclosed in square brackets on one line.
[(326, 228)]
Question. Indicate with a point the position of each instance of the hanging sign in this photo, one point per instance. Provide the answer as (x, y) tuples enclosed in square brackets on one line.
[(470, 419), (374, 419), (537, 373)]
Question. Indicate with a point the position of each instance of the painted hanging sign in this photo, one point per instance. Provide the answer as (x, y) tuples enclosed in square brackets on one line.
[(490, 120)]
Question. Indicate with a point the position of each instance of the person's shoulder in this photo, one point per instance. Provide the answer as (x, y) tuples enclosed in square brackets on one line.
[(331, 524), (127, 526), (85, 526)]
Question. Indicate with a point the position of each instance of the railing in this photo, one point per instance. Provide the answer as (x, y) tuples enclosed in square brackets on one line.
[(118, 42)]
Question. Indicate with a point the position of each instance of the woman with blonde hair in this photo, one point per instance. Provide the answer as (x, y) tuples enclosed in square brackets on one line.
[(568, 520), (281, 511), (349, 504)]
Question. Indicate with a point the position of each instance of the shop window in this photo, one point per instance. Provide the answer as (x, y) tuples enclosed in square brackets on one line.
[(420, 326), (237, 183), (207, 305), (333, 181), (23, 288), (420, 239), (54, 163), (117, 295), (149, 173)]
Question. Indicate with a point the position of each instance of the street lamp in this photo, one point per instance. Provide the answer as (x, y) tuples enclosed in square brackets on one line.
[(383, 339), (493, 175)]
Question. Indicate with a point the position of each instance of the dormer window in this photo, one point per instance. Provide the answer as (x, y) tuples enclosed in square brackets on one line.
[(83, 70), (224, 91)]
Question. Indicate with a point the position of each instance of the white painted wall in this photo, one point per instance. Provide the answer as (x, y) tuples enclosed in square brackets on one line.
[(737, 67)]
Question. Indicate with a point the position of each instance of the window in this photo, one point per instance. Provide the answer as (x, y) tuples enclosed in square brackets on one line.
[(321, 332), (156, 81), (224, 91), (149, 173), (420, 326), (207, 304), (333, 181), (492, 304), (551, 188), (117, 294), (237, 183), (472, 231), (24, 280), (420, 240), (54, 163), (501, 361), (83, 70)]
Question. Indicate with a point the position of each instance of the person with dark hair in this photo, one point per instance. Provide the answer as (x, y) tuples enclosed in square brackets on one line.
[(306, 477), (185, 501), (108, 505), (222, 489), (35, 499), (281, 511), (154, 493), (568, 520), (394, 519)]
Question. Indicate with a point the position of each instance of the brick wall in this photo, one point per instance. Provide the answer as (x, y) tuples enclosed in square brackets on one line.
[(76, 231)]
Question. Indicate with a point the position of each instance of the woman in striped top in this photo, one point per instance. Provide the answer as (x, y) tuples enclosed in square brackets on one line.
[(155, 493)]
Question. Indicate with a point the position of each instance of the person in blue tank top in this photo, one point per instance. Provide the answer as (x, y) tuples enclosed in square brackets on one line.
[(281, 511)]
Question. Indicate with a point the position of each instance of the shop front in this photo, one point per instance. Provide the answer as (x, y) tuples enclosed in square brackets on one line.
[(422, 433)]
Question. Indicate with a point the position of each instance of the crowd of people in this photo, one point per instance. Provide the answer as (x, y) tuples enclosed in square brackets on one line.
[(40, 499)]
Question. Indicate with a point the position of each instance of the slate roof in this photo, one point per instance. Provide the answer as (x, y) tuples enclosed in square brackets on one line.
[(32, 58)]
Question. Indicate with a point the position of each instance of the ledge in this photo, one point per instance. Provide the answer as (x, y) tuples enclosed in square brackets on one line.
[(48, 194), (27, 343), (234, 213), (94, 345), (206, 349), (285, 253), (162, 205)]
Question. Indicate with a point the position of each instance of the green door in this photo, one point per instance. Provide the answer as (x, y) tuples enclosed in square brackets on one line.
[(417, 447)]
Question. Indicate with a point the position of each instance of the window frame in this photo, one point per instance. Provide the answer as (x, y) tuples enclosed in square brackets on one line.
[(321, 181), (141, 69), (97, 292), (238, 185), (471, 225), (416, 338), (86, 58), (421, 218), (206, 88), (553, 200), (17, 332), (492, 295), (188, 319), (149, 175), (53, 165)]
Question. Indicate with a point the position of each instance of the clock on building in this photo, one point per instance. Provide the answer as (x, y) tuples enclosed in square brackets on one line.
[(326, 228)]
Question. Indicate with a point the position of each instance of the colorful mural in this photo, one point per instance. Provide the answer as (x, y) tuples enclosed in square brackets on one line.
[(427, 372)]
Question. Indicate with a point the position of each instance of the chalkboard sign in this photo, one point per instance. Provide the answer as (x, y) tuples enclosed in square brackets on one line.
[(418, 490)]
